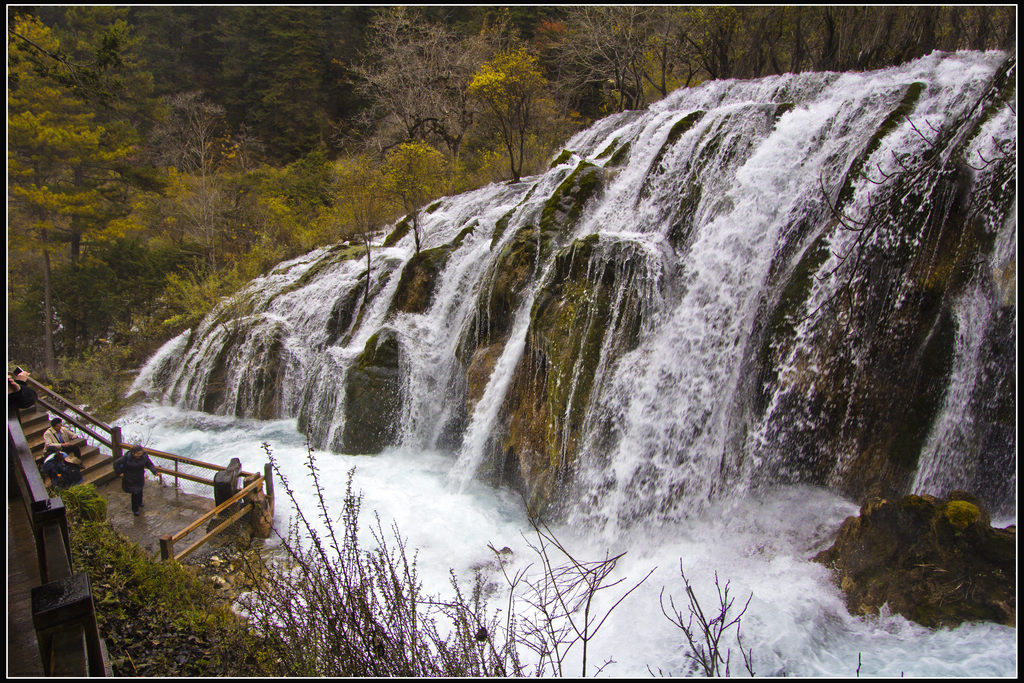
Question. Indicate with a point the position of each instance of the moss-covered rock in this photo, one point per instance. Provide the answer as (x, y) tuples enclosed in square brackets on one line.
[(522, 256), (337, 254), (481, 365), (589, 307), (402, 228), (906, 105), (262, 391), (373, 396), (344, 310), (419, 278), (936, 562), (562, 158)]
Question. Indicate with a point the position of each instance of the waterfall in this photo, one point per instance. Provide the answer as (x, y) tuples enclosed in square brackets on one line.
[(673, 313)]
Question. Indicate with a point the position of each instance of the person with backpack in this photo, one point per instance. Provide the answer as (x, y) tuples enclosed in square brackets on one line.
[(132, 468), (61, 471)]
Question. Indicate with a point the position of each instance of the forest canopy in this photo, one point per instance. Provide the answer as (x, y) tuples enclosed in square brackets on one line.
[(161, 156)]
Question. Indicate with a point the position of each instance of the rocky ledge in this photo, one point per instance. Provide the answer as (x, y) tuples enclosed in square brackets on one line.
[(936, 562)]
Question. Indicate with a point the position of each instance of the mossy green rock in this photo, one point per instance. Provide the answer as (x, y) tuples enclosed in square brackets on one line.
[(588, 307), (373, 396), (936, 562), (532, 245), (419, 278)]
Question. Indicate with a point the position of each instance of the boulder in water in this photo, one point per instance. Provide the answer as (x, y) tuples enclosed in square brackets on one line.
[(373, 396), (936, 562)]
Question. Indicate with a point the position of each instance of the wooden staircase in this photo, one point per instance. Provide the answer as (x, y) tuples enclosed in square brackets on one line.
[(97, 465)]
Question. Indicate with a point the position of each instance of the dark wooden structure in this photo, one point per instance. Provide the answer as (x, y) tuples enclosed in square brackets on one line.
[(63, 612), (63, 615)]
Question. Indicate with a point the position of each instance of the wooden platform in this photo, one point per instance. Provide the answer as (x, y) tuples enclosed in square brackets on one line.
[(22, 575), (166, 510)]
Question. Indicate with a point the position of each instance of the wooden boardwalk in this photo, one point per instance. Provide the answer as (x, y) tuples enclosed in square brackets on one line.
[(167, 510), (22, 575), (169, 513)]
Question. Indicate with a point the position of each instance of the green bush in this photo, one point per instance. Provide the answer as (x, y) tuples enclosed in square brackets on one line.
[(157, 618), (83, 502)]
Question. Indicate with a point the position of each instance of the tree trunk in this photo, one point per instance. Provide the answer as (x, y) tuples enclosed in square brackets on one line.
[(49, 358), (366, 241), (415, 230)]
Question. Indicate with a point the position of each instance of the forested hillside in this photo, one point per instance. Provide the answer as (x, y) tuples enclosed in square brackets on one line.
[(161, 157)]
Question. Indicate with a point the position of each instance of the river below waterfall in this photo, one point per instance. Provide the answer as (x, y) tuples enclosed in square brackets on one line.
[(796, 623)]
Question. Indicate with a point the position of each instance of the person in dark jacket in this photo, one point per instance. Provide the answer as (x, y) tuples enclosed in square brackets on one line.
[(19, 394), (131, 467)]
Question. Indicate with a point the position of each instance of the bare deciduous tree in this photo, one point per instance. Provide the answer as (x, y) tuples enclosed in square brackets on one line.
[(416, 74), (619, 49), (704, 638)]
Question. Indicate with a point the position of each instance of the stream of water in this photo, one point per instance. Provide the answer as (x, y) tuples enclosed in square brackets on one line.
[(796, 623)]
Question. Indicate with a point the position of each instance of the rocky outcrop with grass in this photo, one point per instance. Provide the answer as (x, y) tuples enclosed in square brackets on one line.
[(936, 562)]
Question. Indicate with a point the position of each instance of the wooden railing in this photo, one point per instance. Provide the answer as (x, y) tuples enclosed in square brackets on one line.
[(89, 424), (179, 459), (167, 542), (63, 611), (111, 438), (260, 482)]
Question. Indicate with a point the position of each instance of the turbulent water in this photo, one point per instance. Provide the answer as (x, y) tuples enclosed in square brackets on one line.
[(762, 269)]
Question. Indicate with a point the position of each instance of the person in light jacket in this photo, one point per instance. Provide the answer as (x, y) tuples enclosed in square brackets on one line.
[(131, 467), (60, 438)]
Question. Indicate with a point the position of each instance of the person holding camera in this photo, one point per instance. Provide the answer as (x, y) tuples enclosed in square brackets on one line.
[(19, 393)]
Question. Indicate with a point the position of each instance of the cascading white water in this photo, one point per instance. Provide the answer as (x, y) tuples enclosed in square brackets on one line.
[(709, 200), (744, 181)]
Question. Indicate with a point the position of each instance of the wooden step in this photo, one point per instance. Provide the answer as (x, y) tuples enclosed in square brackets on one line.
[(95, 461), (33, 420), (100, 475)]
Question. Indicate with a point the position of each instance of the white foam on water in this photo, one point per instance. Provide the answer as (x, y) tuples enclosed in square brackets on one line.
[(796, 623)]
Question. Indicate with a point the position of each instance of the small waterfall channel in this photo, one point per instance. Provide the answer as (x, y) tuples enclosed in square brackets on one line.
[(730, 316)]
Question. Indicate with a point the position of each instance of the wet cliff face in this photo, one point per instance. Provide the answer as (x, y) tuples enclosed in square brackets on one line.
[(807, 278)]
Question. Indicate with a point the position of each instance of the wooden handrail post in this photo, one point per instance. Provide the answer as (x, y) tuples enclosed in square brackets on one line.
[(115, 442), (166, 548), (268, 480)]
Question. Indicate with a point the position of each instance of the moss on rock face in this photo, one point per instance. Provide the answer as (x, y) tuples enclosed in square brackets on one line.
[(481, 365), (419, 278), (565, 156), (521, 258), (906, 105), (337, 254), (935, 562), (402, 228), (373, 396), (263, 398), (961, 514), (590, 305)]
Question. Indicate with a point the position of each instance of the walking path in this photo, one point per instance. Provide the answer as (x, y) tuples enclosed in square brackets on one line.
[(22, 575), (167, 510)]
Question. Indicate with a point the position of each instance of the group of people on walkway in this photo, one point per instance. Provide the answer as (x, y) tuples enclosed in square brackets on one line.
[(62, 462)]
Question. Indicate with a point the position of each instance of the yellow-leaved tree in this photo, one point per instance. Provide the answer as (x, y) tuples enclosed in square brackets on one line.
[(414, 173), (362, 206), (510, 86)]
